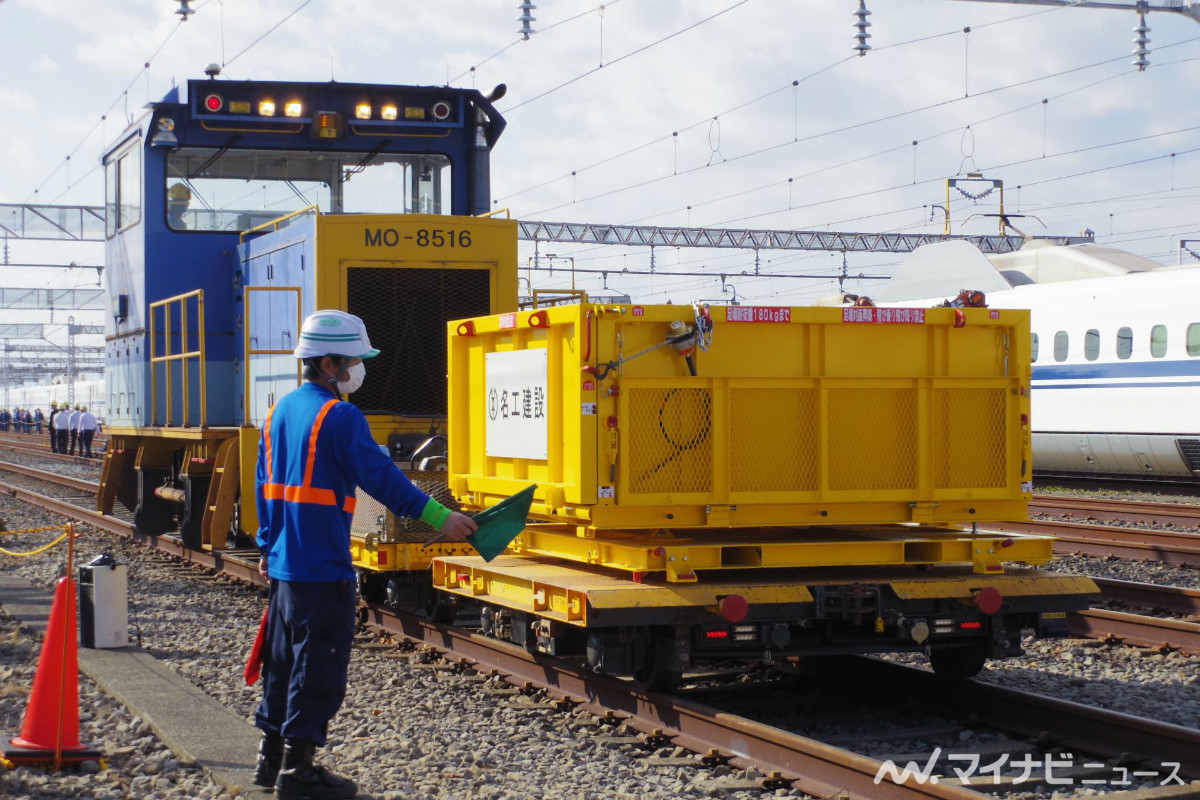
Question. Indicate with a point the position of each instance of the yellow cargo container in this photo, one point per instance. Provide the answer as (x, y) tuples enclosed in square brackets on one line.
[(793, 416)]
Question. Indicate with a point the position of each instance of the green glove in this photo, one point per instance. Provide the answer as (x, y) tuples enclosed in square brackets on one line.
[(435, 514)]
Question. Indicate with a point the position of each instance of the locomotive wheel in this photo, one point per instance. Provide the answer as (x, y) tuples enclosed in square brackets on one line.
[(442, 607), (958, 662), (655, 667)]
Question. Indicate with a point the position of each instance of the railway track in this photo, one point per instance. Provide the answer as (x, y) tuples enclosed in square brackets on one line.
[(1182, 514), (786, 759), (33, 445)]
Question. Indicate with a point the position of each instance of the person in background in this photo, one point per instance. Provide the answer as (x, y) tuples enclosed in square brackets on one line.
[(178, 198), (38, 419), (73, 428), (61, 427), (87, 429), (50, 427), (4, 417)]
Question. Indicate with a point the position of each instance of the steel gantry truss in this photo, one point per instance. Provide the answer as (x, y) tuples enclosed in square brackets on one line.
[(656, 236), (46, 299), (748, 239), (56, 223)]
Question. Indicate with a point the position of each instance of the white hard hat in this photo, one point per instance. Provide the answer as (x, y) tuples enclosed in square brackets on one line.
[(334, 333)]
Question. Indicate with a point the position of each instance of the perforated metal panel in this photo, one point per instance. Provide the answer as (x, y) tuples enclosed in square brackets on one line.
[(876, 435), (406, 311), (672, 429), (975, 416), (779, 457)]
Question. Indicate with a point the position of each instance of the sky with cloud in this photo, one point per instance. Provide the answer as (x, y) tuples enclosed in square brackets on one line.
[(751, 114)]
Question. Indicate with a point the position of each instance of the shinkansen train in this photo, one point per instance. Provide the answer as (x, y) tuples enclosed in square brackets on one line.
[(1115, 350), (671, 521), (89, 393)]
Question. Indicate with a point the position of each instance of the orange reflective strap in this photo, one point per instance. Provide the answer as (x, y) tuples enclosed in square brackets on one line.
[(305, 493), (312, 441), (267, 439)]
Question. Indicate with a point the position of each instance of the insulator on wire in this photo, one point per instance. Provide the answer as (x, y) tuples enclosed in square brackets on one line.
[(1141, 41), (862, 47), (526, 19), (184, 11)]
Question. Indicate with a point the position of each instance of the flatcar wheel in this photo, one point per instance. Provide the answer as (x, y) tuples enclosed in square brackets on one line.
[(655, 667), (442, 607), (958, 662)]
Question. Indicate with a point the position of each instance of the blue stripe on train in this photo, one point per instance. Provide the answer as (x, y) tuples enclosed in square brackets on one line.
[(1148, 385), (1121, 369)]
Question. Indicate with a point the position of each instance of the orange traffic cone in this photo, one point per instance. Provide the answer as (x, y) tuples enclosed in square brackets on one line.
[(51, 728)]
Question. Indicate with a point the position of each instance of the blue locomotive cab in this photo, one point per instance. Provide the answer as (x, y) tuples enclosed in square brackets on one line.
[(235, 209)]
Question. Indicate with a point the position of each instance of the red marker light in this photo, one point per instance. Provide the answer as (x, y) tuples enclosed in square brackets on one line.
[(970, 626), (214, 102), (716, 634)]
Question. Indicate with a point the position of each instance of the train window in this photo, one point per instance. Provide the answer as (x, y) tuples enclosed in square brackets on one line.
[(1061, 346), (1033, 356), (208, 189), (123, 191), (1091, 345), (1158, 341), (1193, 339), (1124, 342)]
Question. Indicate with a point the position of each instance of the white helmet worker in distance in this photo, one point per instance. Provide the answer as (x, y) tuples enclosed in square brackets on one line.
[(314, 454)]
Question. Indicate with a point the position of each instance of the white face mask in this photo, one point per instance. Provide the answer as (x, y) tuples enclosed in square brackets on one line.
[(357, 373)]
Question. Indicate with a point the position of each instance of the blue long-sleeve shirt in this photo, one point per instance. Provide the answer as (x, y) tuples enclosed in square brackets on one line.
[(304, 528)]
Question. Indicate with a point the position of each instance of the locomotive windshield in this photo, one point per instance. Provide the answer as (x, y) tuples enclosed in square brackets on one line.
[(220, 189)]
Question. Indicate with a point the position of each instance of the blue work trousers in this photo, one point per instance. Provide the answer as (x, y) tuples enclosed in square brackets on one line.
[(310, 628)]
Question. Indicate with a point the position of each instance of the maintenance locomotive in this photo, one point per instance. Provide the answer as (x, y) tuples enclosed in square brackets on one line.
[(750, 483)]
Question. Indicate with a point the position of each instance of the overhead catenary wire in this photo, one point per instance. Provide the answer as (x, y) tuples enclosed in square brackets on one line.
[(791, 85)]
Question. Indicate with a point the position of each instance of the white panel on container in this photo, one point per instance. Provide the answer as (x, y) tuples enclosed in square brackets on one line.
[(516, 404)]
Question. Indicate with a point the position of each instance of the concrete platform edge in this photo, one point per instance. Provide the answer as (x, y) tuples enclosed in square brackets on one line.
[(191, 723)]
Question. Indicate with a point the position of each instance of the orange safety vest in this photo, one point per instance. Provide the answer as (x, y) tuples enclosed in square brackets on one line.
[(306, 492)]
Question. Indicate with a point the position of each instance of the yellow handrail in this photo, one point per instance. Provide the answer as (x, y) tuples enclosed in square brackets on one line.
[(495, 213), (274, 224), (167, 357)]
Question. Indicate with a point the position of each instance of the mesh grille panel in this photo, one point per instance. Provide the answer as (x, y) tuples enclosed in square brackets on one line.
[(877, 435), (370, 516), (670, 439), (406, 311), (773, 457), (975, 416)]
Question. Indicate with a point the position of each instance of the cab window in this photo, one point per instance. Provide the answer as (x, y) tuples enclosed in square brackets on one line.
[(1158, 341), (123, 191), (1193, 339), (1034, 355), (1061, 346), (1091, 345)]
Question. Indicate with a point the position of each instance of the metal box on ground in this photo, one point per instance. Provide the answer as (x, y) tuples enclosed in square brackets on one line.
[(662, 417), (103, 606)]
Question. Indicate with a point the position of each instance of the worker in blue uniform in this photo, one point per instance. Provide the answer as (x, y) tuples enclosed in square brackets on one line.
[(314, 451)]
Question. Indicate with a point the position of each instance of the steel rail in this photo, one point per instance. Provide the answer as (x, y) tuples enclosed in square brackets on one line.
[(52, 477), (1137, 629), (232, 565), (809, 765), (1108, 540), (1185, 514), (43, 451), (813, 767), (1110, 734), (1149, 595)]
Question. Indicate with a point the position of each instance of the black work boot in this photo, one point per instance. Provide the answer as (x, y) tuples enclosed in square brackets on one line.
[(270, 759), (301, 779)]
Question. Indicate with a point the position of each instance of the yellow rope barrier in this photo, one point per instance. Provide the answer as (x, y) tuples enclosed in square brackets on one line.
[(66, 529)]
